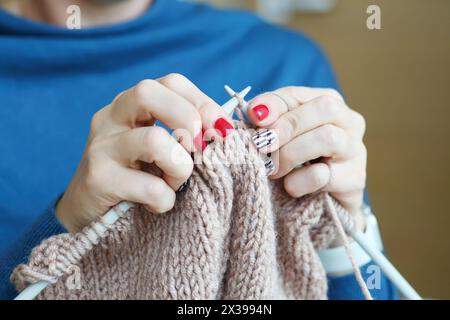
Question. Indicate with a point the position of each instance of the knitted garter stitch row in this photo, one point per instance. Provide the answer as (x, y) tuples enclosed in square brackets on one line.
[(233, 234)]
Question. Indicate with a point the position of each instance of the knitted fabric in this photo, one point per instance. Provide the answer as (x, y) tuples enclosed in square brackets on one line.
[(232, 234)]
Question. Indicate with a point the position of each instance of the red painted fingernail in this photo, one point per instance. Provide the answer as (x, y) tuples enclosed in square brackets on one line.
[(261, 111), (223, 126)]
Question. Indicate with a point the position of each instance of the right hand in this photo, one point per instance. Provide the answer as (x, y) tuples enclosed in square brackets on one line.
[(123, 138)]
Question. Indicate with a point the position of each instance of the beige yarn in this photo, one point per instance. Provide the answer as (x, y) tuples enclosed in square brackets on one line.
[(231, 235)]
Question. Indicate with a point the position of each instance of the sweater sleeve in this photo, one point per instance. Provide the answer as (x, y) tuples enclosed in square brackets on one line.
[(45, 226)]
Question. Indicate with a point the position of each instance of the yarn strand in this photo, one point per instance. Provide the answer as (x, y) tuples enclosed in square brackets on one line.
[(344, 237)]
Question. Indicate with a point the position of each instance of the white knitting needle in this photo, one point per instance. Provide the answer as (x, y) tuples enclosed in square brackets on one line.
[(32, 291), (111, 216), (237, 99), (377, 256), (242, 104)]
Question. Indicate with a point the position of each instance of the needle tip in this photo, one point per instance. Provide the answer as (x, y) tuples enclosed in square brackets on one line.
[(229, 90), (244, 92)]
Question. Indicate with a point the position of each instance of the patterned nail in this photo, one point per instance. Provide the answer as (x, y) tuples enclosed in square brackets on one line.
[(264, 138), (268, 163)]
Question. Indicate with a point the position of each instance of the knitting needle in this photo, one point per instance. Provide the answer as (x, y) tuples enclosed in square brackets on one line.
[(237, 99), (242, 104), (32, 291), (377, 256)]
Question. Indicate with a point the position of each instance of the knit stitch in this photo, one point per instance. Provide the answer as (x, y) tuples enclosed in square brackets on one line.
[(233, 234)]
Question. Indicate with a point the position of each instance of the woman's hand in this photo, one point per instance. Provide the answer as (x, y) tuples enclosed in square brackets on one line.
[(123, 140), (315, 142)]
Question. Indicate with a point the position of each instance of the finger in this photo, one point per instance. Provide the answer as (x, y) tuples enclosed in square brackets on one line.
[(149, 101), (216, 122), (144, 188), (300, 95), (307, 179), (347, 176), (153, 145), (325, 141), (265, 109), (313, 114), (351, 201), (347, 182)]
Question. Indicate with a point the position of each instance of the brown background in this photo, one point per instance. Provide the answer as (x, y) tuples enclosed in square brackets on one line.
[(398, 78)]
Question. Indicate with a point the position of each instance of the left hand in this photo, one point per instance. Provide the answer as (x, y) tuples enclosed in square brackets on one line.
[(308, 124)]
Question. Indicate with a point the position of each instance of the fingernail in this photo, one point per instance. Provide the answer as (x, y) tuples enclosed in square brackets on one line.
[(223, 126), (269, 165), (264, 138), (183, 186), (261, 111)]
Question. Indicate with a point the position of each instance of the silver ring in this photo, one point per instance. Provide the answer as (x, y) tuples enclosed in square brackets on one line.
[(288, 107)]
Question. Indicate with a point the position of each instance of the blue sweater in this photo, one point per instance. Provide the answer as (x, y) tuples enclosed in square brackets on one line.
[(52, 80)]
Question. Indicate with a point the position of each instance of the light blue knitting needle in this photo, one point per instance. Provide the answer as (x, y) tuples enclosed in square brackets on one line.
[(111, 216), (377, 256)]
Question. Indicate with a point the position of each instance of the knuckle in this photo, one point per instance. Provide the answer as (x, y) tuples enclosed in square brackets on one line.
[(293, 123), (154, 136), (142, 89), (204, 105), (118, 97), (291, 90), (334, 93), (96, 121), (319, 177), (330, 136), (329, 105), (173, 80)]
